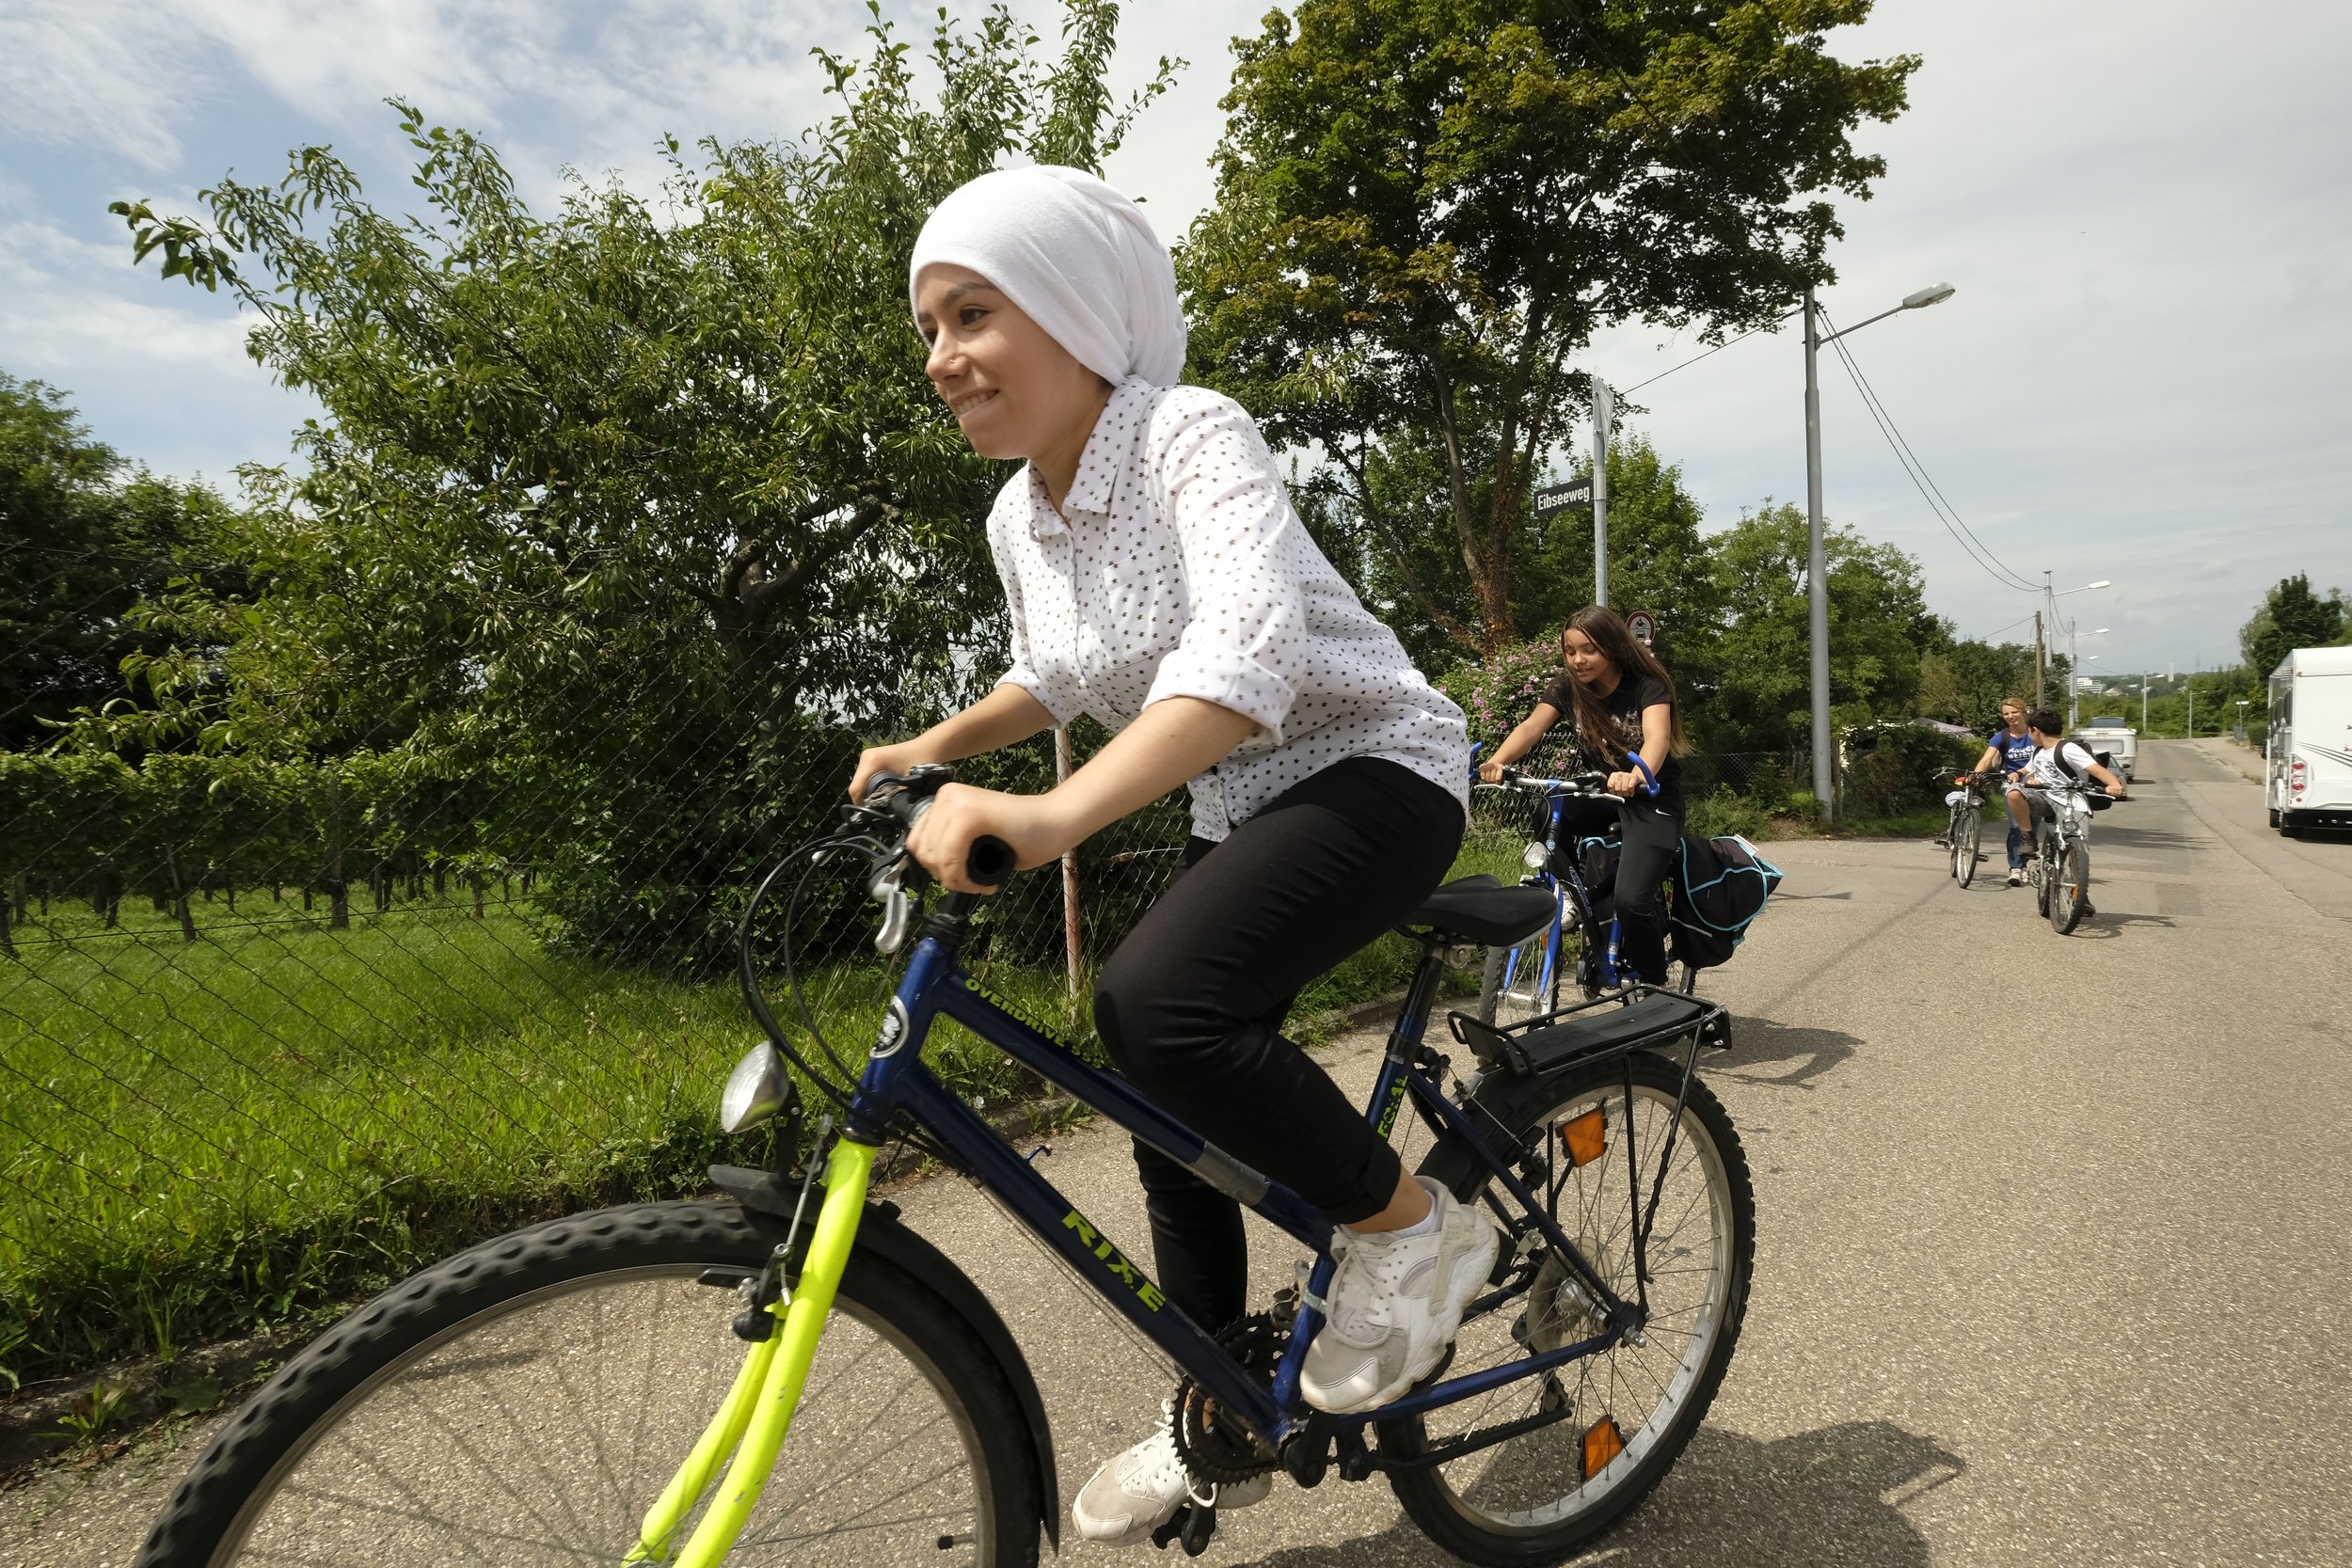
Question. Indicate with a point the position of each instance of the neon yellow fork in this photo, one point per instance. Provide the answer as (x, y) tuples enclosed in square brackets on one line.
[(752, 1423)]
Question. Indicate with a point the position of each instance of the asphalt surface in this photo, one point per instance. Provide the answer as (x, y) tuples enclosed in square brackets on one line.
[(2055, 1234)]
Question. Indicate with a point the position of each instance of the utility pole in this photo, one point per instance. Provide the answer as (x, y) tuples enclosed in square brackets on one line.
[(1816, 569), (2143, 705), (2038, 660), (1604, 412)]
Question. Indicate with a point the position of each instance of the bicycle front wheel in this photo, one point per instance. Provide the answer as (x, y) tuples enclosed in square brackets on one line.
[(1965, 846), (525, 1402), (1518, 983), (1539, 1497), (2070, 887)]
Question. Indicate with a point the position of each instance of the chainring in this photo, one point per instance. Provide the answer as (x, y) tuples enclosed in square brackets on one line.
[(1213, 1445)]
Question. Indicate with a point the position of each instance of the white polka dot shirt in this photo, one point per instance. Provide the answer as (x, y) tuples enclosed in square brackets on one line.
[(1183, 571)]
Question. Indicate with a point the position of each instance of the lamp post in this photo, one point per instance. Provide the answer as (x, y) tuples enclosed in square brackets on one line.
[(2074, 672), (1816, 568), (2049, 618)]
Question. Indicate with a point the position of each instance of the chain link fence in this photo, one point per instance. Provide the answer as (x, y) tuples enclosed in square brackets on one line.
[(272, 1033)]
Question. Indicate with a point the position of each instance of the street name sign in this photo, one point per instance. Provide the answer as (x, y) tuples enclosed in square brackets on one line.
[(1560, 496)]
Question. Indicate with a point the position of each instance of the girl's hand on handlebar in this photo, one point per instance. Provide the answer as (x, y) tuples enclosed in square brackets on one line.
[(943, 835), (901, 758), (1625, 784), (1490, 771)]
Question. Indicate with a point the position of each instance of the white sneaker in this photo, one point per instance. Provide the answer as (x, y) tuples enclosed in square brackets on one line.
[(1136, 1492), (1395, 1303)]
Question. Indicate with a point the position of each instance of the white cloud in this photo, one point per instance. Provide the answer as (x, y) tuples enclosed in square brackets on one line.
[(91, 73), (2143, 203)]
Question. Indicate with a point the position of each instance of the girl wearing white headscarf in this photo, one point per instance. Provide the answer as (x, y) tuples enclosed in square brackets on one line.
[(1159, 579)]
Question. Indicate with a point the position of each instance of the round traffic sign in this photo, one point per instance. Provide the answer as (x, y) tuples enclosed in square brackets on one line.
[(1643, 625)]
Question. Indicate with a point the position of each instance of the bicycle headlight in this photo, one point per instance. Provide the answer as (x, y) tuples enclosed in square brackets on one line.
[(756, 1089), (1534, 856)]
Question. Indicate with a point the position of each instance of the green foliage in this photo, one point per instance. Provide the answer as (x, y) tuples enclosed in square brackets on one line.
[(1724, 812), (1964, 683), (2292, 616), (1426, 211), (1892, 769), (1879, 628), (639, 512), (87, 542)]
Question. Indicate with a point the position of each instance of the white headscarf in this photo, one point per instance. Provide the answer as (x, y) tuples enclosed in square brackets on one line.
[(1074, 254)]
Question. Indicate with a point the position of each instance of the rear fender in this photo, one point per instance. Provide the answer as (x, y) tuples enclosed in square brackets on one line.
[(771, 1205)]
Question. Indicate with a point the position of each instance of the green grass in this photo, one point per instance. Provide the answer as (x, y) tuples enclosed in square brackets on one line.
[(206, 1141)]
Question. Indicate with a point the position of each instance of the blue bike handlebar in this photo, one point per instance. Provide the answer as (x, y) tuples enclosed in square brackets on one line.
[(1635, 758)]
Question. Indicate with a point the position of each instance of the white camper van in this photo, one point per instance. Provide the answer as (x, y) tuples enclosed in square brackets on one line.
[(2308, 753)]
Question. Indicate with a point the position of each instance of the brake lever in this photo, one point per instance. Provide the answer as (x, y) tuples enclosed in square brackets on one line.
[(885, 884)]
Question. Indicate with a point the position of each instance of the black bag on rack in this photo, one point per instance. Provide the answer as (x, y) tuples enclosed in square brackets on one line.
[(1720, 886)]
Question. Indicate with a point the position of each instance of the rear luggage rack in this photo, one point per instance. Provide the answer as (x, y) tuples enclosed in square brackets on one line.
[(1604, 1028)]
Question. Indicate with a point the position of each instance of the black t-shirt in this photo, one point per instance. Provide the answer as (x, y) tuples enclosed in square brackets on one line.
[(1623, 706)]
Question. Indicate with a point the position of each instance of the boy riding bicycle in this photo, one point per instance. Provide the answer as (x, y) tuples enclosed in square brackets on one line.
[(2053, 778)]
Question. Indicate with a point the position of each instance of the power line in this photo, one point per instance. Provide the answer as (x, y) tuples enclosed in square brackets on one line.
[(1696, 358), (1916, 472)]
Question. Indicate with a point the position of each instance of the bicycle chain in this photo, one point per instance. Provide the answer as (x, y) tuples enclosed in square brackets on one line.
[(1212, 1445)]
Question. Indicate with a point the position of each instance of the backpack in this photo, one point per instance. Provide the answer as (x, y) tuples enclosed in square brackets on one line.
[(1721, 887), (2097, 802)]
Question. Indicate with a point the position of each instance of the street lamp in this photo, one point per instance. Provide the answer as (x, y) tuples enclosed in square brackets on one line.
[(1816, 568), (2047, 615), (2074, 672)]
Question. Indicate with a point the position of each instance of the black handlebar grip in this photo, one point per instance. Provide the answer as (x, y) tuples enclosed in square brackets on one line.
[(992, 862)]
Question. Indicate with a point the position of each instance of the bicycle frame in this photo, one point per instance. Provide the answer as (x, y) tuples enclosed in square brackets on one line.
[(753, 1421), (1568, 892)]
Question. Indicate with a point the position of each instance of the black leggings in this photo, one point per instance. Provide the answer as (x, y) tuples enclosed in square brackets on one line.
[(1191, 1004), (1653, 833)]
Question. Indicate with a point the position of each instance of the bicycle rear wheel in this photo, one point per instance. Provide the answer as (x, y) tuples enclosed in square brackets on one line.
[(525, 1402), (1539, 1497)]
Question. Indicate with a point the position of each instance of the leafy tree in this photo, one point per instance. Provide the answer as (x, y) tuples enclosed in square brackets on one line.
[(641, 509), (1964, 683), (1425, 209), (2291, 616), (1880, 631), (83, 538)]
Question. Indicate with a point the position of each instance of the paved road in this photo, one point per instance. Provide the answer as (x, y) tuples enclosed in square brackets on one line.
[(2056, 1233)]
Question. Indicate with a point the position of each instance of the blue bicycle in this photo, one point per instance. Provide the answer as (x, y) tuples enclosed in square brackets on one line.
[(1575, 952), (796, 1376)]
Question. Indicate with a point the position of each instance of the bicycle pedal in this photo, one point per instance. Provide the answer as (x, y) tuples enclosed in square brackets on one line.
[(1190, 1527)]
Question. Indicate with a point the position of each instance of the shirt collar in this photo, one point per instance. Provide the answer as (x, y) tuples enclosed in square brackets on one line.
[(1102, 466)]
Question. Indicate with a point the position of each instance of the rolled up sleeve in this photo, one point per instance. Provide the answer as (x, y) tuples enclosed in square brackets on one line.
[(1245, 640)]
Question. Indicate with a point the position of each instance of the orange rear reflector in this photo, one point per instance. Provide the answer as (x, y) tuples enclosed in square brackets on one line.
[(1587, 1137), (1602, 1443)]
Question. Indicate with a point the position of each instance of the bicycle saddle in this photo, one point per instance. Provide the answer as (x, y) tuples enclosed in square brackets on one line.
[(1482, 910)]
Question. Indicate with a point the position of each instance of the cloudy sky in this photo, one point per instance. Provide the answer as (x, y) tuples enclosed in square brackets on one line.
[(2145, 205)]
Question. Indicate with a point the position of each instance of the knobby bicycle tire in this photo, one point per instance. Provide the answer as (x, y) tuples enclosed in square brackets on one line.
[(1529, 1500), (1965, 846), (2071, 888), (394, 1412)]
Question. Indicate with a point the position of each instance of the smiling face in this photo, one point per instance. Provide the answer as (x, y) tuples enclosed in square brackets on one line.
[(2012, 718), (1587, 662), (1016, 392)]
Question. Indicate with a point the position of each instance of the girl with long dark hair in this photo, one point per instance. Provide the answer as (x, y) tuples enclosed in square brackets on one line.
[(1623, 703)]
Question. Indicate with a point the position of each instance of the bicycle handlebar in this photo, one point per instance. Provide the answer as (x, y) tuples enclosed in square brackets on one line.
[(1581, 786), (907, 796)]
